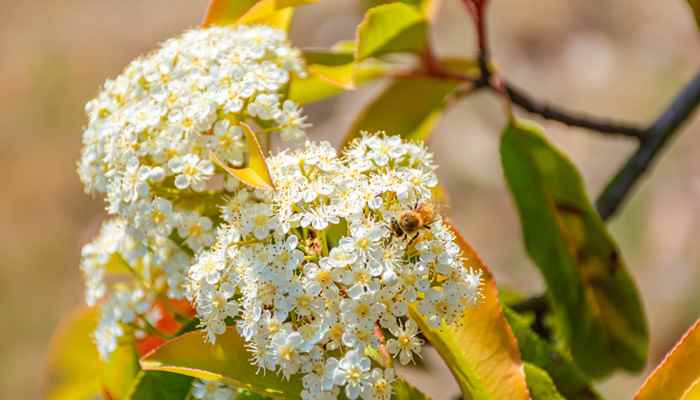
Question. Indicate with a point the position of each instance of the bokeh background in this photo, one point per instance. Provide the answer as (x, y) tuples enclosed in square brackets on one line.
[(622, 58)]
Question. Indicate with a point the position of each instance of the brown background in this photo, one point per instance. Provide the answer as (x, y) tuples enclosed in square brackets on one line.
[(623, 58)]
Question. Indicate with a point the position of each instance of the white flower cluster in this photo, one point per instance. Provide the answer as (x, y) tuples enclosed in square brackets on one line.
[(314, 269), (151, 130), (147, 147), (138, 275)]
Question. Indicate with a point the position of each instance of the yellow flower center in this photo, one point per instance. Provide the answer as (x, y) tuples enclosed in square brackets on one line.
[(362, 310), (324, 277), (286, 352), (158, 217), (195, 230), (260, 220)]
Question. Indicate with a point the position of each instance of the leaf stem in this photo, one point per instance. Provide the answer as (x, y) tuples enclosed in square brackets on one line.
[(547, 111)]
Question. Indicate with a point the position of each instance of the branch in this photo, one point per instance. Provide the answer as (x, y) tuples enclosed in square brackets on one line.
[(605, 126), (539, 306), (491, 80), (658, 134)]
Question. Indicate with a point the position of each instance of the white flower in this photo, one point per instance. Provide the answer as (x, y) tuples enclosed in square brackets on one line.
[(381, 150), (209, 390), (292, 121), (208, 268), (362, 310), (191, 172), (319, 218), (157, 216), (197, 231), (285, 347), (320, 278), (353, 372), (382, 385), (405, 342), (472, 291), (122, 309), (229, 142), (258, 220), (265, 107), (217, 304)]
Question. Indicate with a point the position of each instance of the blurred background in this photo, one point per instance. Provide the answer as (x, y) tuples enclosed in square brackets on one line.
[(618, 58)]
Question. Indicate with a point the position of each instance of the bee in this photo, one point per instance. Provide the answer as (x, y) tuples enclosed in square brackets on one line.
[(414, 219)]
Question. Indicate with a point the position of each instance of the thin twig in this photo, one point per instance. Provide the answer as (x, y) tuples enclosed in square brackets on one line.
[(658, 135), (547, 111), (492, 80)]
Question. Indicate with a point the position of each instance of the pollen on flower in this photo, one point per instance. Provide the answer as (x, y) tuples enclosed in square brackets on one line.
[(318, 268)]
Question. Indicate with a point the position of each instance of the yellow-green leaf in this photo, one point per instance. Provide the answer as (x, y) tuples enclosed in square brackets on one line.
[(480, 349), (391, 28), (228, 360), (74, 369), (540, 384), (695, 7), (403, 390), (275, 13), (408, 108), (678, 374), (73, 364), (570, 381), (593, 297), (120, 371), (428, 7), (256, 173), (156, 385), (331, 72)]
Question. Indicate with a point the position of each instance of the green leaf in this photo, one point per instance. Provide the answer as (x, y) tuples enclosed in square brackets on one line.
[(228, 360), (391, 28), (405, 391), (73, 363), (155, 385), (256, 174), (479, 349), (275, 13), (331, 72), (678, 375), (570, 381), (695, 7), (540, 384), (408, 108), (593, 297)]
